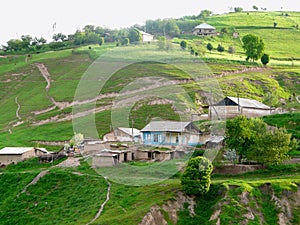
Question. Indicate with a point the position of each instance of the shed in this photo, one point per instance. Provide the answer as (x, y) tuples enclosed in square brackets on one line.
[(230, 107), (13, 155)]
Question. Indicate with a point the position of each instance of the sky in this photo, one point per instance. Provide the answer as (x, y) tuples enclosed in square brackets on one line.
[(37, 17)]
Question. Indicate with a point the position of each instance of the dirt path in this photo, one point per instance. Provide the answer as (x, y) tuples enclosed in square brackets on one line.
[(18, 109), (103, 204), (34, 181), (44, 71), (69, 162), (247, 69)]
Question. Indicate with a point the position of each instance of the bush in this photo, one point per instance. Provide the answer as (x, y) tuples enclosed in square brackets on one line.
[(196, 178)]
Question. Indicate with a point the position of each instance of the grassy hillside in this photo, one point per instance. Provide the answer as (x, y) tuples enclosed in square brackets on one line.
[(74, 195)]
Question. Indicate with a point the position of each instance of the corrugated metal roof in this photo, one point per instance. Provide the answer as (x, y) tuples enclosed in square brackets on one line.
[(249, 103), (204, 26), (173, 126), (128, 131), (14, 150)]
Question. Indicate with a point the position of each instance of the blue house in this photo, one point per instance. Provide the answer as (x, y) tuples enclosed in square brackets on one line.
[(170, 133)]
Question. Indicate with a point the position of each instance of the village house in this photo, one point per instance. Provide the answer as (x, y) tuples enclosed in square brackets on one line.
[(230, 107), (122, 134), (204, 29), (146, 37), (170, 133), (13, 155)]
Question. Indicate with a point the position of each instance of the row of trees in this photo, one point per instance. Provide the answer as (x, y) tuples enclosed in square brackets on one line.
[(88, 35)]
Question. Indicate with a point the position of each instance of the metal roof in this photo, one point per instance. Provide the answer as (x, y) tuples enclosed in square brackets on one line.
[(248, 103), (14, 150), (204, 26), (128, 131), (172, 126)]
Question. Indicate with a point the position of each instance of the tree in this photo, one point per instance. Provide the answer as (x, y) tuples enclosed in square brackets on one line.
[(195, 180), (254, 46), (183, 44), (265, 59), (231, 50), (272, 147), (162, 42), (204, 13), (171, 28), (125, 41), (101, 41), (134, 35), (220, 48), (209, 47), (224, 30), (255, 7), (241, 133), (238, 9)]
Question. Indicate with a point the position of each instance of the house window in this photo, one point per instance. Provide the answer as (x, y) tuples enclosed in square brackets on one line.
[(148, 137), (156, 138)]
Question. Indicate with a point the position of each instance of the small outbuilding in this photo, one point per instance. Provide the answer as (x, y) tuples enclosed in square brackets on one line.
[(204, 29), (108, 158), (13, 155)]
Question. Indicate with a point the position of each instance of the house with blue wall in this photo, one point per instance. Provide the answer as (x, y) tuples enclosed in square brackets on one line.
[(171, 133)]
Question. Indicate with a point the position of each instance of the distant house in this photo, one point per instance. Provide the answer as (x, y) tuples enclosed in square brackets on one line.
[(146, 37), (13, 155), (230, 107), (170, 133), (122, 134), (204, 29)]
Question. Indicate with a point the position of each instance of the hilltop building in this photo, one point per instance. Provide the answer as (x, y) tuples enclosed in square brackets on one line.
[(204, 29)]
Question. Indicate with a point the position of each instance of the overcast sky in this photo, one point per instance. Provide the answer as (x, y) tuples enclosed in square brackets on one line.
[(36, 17)]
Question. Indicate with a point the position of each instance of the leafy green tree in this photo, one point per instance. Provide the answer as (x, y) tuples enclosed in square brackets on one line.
[(209, 47), (101, 41), (162, 42), (265, 59), (224, 30), (125, 41), (231, 50), (254, 46), (220, 48), (255, 7), (241, 133), (238, 9), (171, 28), (204, 13), (134, 35), (183, 44), (195, 180), (272, 147)]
